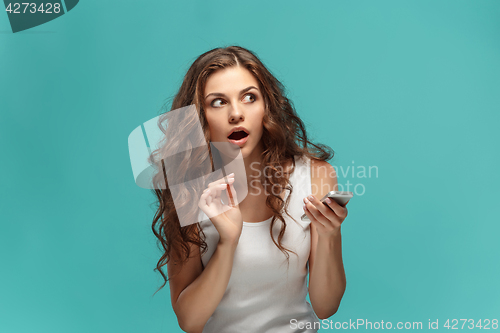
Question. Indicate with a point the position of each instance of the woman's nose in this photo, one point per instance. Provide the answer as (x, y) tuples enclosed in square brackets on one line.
[(236, 114)]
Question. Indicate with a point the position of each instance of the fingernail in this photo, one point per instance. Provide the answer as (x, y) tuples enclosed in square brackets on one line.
[(310, 198), (305, 200), (328, 201), (231, 174)]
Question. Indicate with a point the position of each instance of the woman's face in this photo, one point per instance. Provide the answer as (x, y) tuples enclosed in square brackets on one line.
[(233, 99)]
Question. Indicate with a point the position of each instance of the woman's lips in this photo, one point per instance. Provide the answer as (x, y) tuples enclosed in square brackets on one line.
[(239, 142)]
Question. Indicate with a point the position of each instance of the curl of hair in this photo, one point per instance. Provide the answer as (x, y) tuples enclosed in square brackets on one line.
[(284, 136)]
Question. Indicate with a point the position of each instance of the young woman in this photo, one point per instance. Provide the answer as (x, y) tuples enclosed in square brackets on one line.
[(228, 273)]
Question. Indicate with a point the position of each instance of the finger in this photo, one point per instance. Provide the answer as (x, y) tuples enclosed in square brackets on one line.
[(325, 224), (233, 197), (340, 211), (218, 190), (229, 198), (217, 187), (319, 226), (315, 211), (204, 198), (215, 190), (229, 178), (209, 197), (323, 208), (311, 216), (223, 180)]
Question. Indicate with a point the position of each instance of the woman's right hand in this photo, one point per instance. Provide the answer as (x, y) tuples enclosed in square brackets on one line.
[(226, 218)]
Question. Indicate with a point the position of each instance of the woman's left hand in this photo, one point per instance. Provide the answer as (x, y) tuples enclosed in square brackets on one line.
[(327, 217)]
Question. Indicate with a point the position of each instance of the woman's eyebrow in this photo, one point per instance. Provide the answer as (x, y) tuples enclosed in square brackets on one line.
[(241, 92)]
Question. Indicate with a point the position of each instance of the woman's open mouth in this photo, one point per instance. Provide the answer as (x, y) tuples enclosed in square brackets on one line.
[(238, 137)]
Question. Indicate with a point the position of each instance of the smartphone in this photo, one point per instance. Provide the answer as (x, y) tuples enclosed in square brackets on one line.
[(340, 197)]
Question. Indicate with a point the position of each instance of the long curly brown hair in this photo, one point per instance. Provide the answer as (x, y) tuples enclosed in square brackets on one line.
[(284, 136)]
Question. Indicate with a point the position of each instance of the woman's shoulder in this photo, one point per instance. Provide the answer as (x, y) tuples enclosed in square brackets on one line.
[(322, 173), (316, 165), (322, 166)]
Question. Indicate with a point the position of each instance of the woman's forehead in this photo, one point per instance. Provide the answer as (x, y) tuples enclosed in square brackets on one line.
[(230, 79)]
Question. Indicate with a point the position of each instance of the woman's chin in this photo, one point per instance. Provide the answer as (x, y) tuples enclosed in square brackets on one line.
[(231, 151)]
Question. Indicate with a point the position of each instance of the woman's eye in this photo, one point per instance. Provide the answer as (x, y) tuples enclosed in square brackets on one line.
[(216, 103), (249, 98)]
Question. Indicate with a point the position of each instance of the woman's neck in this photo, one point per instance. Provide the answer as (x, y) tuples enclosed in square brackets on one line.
[(252, 169)]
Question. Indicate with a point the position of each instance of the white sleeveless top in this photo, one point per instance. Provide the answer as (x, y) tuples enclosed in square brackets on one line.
[(262, 294)]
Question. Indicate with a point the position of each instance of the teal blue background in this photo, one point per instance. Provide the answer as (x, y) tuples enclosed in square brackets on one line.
[(411, 87)]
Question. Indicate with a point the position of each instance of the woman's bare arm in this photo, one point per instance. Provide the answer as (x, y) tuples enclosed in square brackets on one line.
[(327, 281), (196, 292)]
